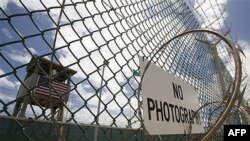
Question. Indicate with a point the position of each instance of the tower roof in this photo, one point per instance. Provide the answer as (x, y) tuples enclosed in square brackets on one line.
[(43, 64)]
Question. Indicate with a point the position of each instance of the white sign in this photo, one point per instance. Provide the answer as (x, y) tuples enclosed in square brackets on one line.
[(168, 103)]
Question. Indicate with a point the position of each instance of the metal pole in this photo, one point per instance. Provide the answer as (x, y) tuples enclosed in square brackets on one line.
[(218, 65), (105, 62), (58, 130), (219, 70)]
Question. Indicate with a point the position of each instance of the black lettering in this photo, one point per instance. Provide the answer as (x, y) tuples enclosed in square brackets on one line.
[(192, 113), (182, 116), (177, 113), (172, 106), (180, 92), (198, 119), (165, 107), (151, 107), (158, 110), (186, 115), (175, 89)]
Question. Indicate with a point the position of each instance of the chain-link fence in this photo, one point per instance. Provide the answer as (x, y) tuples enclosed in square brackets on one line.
[(95, 47)]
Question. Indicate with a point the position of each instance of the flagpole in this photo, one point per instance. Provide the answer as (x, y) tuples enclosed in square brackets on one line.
[(105, 62)]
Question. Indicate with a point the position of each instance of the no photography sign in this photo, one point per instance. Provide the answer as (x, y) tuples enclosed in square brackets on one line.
[(168, 103)]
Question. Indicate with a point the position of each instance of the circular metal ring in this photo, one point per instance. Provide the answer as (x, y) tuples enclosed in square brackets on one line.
[(237, 79)]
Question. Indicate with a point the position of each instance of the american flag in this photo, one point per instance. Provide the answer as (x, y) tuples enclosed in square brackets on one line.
[(57, 88)]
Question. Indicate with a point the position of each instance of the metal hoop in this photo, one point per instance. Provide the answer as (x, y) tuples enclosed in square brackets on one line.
[(236, 87)]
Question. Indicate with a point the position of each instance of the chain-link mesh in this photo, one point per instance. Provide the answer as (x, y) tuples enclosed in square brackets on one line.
[(95, 47)]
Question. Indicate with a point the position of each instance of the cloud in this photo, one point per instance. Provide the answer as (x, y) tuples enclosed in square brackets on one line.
[(6, 32), (86, 46), (21, 56), (6, 99), (31, 5), (109, 113), (6, 83), (3, 3), (79, 49), (32, 50), (245, 45), (210, 13)]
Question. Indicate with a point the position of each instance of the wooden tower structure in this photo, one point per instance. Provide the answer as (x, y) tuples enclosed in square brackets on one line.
[(41, 91)]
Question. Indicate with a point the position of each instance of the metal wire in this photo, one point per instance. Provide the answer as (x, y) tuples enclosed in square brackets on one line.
[(84, 35)]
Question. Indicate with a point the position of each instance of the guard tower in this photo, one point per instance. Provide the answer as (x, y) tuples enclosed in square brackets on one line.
[(40, 91)]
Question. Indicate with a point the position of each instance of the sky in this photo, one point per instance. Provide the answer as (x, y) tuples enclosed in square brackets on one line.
[(235, 18), (238, 14), (19, 53)]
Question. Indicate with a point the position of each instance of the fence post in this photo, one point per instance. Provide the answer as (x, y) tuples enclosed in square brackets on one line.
[(105, 62)]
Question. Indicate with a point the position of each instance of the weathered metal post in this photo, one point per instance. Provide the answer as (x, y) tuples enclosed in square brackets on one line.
[(105, 62)]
